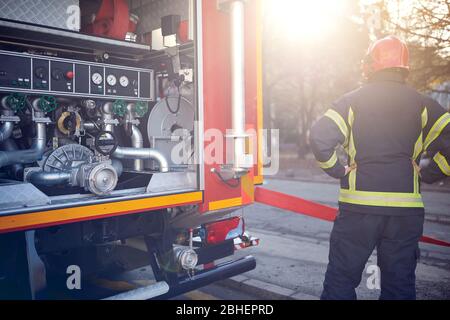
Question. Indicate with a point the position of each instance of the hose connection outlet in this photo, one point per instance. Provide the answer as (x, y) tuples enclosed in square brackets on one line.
[(187, 259)]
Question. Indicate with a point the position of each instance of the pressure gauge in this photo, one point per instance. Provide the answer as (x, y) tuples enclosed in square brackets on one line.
[(124, 81), (97, 78), (111, 80)]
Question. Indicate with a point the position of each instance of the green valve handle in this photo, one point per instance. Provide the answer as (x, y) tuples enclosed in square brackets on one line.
[(141, 108), (119, 108), (16, 101), (47, 104)]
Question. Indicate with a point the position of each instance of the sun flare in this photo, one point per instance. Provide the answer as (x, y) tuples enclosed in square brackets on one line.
[(303, 20)]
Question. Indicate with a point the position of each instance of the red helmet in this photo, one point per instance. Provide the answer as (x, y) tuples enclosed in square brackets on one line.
[(389, 52)]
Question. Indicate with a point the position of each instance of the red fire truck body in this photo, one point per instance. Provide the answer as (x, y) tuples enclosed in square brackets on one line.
[(89, 125)]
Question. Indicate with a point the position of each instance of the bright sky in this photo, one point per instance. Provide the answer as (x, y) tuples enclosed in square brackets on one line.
[(304, 20), (307, 20)]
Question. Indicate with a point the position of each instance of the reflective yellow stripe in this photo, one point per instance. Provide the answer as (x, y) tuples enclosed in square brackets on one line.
[(97, 211), (381, 199), (416, 181), (442, 163), (223, 204), (340, 122), (436, 130), (418, 149), (330, 163), (351, 151), (424, 118)]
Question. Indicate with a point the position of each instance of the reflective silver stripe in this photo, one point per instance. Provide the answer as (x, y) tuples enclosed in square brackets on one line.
[(436, 130), (351, 151), (340, 122), (424, 117), (418, 149), (442, 163), (330, 163)]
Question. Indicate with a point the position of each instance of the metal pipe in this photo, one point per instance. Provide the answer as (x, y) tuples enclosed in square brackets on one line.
[(7, 127), (16, 168), (118, 166), (6, 130), (108, 116), (142, 153), (144, 293), (137, 141), (133, 153), (89, 126), (49, 179), (203, 278), (35, 105), (29, 155), (238, 82)]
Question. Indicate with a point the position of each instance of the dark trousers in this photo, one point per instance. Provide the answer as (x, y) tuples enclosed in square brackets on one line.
[(353, 239)]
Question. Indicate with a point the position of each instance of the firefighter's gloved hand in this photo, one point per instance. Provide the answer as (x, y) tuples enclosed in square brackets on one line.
[(350, 168), (424, 163), (430, 172)]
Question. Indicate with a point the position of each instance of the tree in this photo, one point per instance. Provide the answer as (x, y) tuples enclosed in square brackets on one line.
[(302, 79), (425, 25)]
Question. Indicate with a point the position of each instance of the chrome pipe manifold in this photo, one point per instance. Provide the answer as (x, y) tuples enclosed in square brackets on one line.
[(37, 149), (75, 165), (136, 152)]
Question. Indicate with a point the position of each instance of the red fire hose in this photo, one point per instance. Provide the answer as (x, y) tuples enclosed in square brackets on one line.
[(312, 209)]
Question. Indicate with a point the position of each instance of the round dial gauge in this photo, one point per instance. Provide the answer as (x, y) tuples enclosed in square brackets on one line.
[(124, 81), (97, 78), (111, 80)]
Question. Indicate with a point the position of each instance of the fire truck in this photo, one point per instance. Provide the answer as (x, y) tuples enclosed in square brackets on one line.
[(109, 111)]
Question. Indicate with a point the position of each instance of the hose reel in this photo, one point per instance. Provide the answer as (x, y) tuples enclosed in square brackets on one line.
[(167, 129)]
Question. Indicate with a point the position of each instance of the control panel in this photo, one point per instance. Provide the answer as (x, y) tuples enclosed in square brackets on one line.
[(30, 73)]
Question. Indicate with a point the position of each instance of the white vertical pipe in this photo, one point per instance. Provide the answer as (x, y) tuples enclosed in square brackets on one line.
[(238, 82), (199, 124)]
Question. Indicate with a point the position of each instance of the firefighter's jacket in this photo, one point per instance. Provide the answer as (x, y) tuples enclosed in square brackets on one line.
[(385, 126)]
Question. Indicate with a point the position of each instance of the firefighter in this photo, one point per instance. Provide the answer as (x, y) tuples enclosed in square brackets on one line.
[(384, 126)]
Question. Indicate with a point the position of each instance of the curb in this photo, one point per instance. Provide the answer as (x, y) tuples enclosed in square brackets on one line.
[(263, 289), (437, 218)]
